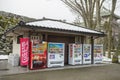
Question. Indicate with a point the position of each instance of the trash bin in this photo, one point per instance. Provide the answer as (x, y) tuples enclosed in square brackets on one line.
[(13, 59), (3, 64)]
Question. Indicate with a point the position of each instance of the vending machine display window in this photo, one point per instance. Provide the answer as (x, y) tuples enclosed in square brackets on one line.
[(55, 54)]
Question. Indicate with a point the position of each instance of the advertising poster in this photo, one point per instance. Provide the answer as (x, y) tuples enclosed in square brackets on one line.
[(55, 54), (38, 55), (24, 51), (86, 54), (98, 53)]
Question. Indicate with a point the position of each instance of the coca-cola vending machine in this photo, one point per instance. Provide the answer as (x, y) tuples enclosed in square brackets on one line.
[(38, 52)]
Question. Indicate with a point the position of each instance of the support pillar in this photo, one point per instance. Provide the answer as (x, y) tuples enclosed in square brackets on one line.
[(92, 50), (46, 37), (82, 42)]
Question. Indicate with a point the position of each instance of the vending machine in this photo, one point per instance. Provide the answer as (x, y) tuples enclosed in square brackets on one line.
[(38, 54), (55, 54), (75, 54), (86, 54), (98, 53)]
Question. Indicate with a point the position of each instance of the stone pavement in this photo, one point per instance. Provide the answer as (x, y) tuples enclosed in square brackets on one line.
[(10, 70)]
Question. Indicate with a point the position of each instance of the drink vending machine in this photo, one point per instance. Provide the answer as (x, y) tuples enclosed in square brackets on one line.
[(75, 54), (55, 54), (86, 54), (98, 53), (38, 54)]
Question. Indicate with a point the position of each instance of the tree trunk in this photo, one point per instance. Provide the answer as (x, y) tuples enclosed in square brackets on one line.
[(110, 28)]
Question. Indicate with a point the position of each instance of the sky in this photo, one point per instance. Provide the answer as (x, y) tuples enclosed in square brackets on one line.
[(54, 9)]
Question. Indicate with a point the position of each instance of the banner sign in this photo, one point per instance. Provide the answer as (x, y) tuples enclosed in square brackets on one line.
[(24, 51)]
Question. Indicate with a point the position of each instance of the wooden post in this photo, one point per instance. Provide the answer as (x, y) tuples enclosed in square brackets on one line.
[(29, 33), (92, 50), (82, 42), (46, 37)]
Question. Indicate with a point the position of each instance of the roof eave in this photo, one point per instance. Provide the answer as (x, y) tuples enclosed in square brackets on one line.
[(64, 31)]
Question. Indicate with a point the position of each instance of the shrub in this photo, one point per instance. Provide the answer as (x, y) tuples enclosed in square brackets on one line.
[(115, 59)]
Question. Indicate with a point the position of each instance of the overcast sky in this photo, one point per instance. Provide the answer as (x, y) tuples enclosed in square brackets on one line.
[(38, 8), (54, 9)]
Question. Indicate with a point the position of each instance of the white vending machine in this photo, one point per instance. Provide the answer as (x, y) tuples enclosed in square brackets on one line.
[(55, 54), (75, 54), (98, 53), (86, 54)]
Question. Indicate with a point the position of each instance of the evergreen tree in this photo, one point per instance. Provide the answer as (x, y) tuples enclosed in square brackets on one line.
[(6, 43)]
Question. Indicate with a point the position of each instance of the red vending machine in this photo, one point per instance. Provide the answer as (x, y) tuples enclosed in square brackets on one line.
[(38, 54)]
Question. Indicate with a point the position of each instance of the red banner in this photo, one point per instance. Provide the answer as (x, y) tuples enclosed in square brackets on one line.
[(24, 51)]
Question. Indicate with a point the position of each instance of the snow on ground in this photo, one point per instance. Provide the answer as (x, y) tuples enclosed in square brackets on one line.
[(106, 59), (3, 56)]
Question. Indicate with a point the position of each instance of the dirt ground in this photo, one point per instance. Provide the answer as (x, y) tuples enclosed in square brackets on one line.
[(106, 72)]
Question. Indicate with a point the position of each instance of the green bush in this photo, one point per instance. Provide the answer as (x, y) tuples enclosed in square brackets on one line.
[(115, 59)]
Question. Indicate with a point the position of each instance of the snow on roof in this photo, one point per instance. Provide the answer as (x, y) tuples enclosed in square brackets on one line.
[(61, 25)]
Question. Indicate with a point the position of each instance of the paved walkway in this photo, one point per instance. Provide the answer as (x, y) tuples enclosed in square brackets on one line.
[(10, 70)]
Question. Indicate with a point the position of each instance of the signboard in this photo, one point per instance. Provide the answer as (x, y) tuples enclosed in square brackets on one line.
[(24, 51), (86, 54), (98, 53)]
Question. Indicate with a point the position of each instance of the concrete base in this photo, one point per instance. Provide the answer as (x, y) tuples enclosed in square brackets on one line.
[(3, 65)]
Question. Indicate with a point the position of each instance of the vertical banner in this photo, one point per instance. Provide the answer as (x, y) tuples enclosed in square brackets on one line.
[(24, 51), (98, 53)]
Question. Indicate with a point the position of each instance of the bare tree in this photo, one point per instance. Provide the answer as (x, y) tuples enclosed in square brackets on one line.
[(84, 8), (110, 27)]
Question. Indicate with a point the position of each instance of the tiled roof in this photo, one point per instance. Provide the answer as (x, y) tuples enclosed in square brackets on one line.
[(53, 24)]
